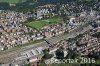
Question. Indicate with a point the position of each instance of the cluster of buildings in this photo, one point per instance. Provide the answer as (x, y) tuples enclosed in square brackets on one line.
[(45, 11), (71, 9), (88, 44), (32, 56), (84, 44), (14, 33)]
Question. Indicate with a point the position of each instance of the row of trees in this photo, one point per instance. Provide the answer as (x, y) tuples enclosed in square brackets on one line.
[(72, 54)]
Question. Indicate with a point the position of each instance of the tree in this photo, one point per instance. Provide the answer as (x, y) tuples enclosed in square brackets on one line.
[(94, 54), (4, 6), (60, 54), (97, 35), (26, 65), (30, 19), (46, 54), (72, 54)]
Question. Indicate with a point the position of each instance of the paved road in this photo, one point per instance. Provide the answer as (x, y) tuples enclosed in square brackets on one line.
[(71, 34), (9, 55)]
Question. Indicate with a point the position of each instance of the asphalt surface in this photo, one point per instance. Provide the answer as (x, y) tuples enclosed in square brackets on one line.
[(71, 34), (10, 55)]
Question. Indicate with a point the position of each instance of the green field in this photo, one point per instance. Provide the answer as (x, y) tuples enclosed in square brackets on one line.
[(40, 23), (10, 1)]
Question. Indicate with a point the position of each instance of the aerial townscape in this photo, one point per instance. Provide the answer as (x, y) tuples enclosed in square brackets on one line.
[(49, 32)]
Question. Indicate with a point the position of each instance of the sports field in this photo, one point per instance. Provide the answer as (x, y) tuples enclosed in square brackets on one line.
[(40, 23), (10, 1)]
